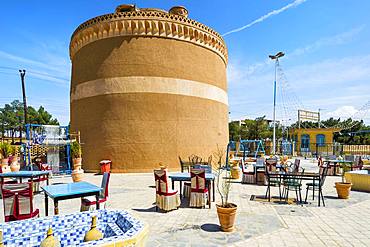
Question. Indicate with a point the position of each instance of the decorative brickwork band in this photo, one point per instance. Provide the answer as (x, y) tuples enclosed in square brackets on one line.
[(151, 23)]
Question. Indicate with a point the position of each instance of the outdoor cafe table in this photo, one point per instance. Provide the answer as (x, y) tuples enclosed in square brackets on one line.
[(59, 192), (25, 174), (185, 176), (313, 176), (335, 162)]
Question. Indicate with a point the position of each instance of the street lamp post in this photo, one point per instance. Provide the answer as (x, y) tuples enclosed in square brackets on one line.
[(276, 58)]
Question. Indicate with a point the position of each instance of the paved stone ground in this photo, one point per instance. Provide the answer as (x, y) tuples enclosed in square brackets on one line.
[(340, 223)]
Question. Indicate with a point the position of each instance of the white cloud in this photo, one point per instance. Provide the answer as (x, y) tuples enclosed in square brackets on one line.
[(266, 16), (342, 112), (339, 39)]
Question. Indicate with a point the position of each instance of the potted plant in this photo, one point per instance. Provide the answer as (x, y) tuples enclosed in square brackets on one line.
[(14, 164), (343, 188), (226, 211), (76, 153), (5, 152)]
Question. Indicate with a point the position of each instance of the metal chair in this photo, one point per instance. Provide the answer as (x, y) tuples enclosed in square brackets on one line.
[(315, 186), (271, 181), (87, 202), (293, 183), (18, 201)]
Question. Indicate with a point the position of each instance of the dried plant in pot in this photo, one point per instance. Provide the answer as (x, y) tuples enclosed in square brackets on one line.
[(343, 188), (226, 210)]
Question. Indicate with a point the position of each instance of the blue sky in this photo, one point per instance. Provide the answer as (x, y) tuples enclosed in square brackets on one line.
[(327, 62)]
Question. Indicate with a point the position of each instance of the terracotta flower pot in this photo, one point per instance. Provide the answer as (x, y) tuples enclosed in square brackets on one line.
[(77, 175), (77, 163), (14, 166), (4, 162), (343, 189), (226, 216)]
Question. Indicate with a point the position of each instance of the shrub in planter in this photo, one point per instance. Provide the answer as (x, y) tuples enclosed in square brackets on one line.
[(226, 210)]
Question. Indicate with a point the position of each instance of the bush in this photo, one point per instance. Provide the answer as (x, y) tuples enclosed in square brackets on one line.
[(76, 151)]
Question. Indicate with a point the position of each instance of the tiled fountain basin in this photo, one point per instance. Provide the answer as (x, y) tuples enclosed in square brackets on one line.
[(118, 226)]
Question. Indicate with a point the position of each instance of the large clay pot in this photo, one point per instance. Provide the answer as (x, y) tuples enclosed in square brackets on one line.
[(4, 162), (343, 189), (77, 163), (77, 175), (14, 166), (226, 216), (235, 171)]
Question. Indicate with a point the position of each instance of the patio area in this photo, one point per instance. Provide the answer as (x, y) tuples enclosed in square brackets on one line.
[(340, 223)]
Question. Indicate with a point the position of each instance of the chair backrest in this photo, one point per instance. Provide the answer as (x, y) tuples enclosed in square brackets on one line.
[(260, 161), (105, 185), (198, 180), (210, 160), (207, 168), (358, 161), (195, 159), (161, 184), (272, 161), (17, 200), (320, 162), (295, 167), (324, 172)]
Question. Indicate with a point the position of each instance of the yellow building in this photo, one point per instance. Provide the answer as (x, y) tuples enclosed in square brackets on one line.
[(314, 140), (147, 86)]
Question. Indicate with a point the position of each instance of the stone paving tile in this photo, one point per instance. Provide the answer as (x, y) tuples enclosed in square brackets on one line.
[(340, 223)]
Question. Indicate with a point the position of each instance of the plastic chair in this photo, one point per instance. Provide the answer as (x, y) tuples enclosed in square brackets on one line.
[(166, 199), (199, 191), (87, 202), (18, 201)]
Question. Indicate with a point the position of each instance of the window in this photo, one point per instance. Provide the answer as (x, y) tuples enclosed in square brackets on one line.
[(305, 141), (320, 140)]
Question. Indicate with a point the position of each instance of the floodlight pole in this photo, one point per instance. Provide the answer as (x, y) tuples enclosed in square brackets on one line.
[(276, 58)]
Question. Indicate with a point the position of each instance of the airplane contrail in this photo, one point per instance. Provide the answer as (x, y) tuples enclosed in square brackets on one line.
[(266, 16)]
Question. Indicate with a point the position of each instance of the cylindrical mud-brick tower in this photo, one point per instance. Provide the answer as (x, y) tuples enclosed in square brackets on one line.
[(147, 87)]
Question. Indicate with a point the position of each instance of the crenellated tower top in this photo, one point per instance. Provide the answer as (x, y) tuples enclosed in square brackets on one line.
[(128, 20)]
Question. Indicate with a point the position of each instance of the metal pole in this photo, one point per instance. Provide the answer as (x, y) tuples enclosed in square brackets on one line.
[(23, 73), (274, 113)]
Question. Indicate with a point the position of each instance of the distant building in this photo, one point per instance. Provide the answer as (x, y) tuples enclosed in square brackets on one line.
[(314, 140)]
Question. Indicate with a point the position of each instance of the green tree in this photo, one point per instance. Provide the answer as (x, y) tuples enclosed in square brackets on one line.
[(12, 118)]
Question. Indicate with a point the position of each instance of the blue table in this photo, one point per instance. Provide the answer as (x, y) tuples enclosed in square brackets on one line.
[(59, 192), (185, 176), (25, 174)]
